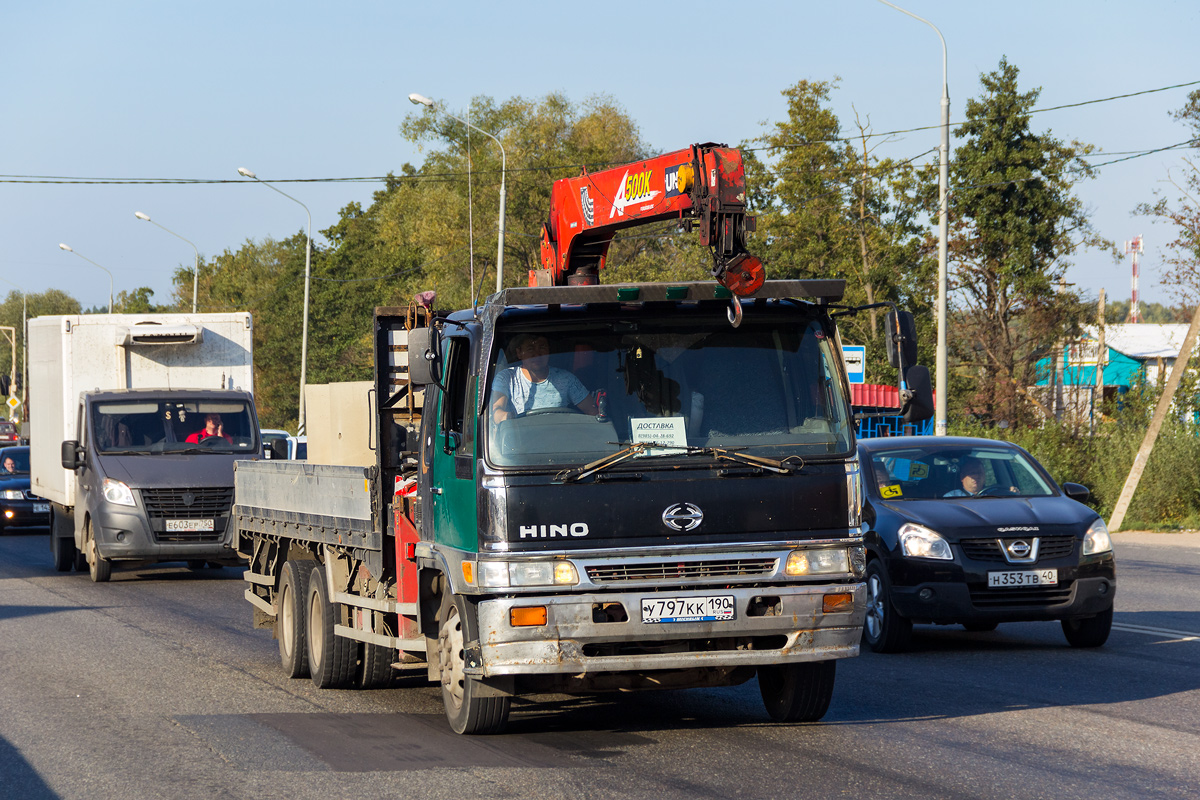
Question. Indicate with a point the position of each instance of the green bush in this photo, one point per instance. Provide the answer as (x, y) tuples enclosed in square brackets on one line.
[(1168, 496)]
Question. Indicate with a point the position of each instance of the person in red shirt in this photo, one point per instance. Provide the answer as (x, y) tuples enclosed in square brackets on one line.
[(212, 427)]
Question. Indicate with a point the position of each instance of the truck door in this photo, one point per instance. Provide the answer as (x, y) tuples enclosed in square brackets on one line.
[(453, 494)]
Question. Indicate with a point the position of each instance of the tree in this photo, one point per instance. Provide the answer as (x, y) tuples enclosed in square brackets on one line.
[(1015, 224), (1183, 213)]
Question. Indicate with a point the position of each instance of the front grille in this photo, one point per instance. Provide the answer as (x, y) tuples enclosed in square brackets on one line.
[(685, 570), (1035, 597), (174, 503), (989, 549)]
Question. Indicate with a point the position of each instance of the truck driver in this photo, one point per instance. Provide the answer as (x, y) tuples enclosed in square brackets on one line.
[(532, 383)]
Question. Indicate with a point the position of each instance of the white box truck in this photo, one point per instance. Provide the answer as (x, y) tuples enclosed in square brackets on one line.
[(136, 421)]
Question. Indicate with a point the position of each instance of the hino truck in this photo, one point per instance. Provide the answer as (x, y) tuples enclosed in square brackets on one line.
[(137, 420), (580, 487)]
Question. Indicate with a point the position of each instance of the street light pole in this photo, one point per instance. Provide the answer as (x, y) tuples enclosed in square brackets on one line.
[(196, 274), (422, 100), (942, 369), (94, 264), (307, 279)]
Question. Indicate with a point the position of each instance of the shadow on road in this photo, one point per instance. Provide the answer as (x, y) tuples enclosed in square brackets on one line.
[(19, 778)]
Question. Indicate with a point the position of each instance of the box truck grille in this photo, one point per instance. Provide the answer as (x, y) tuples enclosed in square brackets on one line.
[(687, 570), (183, 504)]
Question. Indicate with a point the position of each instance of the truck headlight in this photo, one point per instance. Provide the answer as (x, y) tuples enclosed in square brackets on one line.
[(13, 494), (118, 493), (816, 562), (917, 541), (502, 574), (1097, 540)]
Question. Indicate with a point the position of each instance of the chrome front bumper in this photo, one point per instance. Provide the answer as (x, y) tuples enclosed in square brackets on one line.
[(561, 645)]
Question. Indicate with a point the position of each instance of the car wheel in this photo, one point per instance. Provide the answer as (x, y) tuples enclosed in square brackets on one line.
[(99, 567), (466, 711), (291, 627), (980, 627), (797, 692), (1088, 632), (884, 630), (332, 659)]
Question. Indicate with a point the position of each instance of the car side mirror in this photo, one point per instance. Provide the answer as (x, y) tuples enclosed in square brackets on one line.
[(902, 339), (1077, 492), (918, 405), (71, 455)]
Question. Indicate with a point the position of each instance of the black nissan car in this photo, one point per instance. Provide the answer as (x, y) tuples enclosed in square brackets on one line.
[(18, 506), (975, 532)]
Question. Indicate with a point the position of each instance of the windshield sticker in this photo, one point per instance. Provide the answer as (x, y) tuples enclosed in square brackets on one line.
[(660, 430), (918, 470), (905, 469), (888, 492)]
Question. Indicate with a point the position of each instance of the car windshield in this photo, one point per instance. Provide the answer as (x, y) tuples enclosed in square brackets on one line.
[(173, 426), (14, 461), (934, 472), (770, 387)]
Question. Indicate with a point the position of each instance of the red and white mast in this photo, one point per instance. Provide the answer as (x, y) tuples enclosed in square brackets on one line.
[(1135, 248)]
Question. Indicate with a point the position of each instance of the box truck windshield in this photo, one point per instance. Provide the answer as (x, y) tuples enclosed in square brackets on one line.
[(178, 425)]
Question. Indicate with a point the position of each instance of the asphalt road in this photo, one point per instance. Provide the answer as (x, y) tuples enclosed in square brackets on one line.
[(156, 686)]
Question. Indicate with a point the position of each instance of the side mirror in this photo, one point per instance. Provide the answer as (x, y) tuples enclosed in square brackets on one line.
[(918, 405), (902, 339), (424, 364), (1077, 492), (70, 455)]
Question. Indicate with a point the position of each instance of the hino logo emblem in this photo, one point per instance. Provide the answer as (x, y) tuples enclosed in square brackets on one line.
[(683, 517)]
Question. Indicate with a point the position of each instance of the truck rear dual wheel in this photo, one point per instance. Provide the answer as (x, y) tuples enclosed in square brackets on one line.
[(466, 711), (62, 548), (797, 692), (291, 627), (332, 659)]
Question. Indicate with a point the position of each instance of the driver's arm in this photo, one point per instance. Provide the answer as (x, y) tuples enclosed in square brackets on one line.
[(588, 405), (501, 408)]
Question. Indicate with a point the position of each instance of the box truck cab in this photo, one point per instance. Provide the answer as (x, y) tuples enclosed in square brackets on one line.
[(140, 419)]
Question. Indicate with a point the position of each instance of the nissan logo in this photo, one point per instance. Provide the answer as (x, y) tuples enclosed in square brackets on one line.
[(1019, 548), (683, 517)]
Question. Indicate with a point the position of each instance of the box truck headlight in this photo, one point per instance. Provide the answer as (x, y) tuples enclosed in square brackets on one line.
[(118, 493), (12, 494)]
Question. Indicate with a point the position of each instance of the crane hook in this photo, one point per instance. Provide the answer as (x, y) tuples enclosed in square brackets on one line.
[(734, 312)]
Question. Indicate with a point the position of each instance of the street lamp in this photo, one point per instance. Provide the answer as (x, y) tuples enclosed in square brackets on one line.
[(94, 264), (307, 279), (196, 274), (422, 100), (942, 370)]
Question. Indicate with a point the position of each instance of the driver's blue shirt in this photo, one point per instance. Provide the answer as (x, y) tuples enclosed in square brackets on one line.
[(561, 389)]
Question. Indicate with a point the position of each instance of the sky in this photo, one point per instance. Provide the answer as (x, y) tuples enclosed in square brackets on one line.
[(154, 90)]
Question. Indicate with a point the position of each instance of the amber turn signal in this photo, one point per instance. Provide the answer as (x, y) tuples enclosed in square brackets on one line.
[(834, 603), (525, 617)]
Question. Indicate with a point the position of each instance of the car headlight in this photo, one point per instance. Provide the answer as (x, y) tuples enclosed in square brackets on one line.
[(118, 493), (13, 494), (917, 541), (1097, 540), (816, 562), (502, 574)]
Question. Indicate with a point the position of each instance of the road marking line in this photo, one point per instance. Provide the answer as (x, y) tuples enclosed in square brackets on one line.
[(1186, 636)]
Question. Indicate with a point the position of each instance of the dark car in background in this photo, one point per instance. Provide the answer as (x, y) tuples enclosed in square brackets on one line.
[(975, 532), (18, 506)]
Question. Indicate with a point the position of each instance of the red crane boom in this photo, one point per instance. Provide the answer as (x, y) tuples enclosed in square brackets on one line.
[(703, 185)]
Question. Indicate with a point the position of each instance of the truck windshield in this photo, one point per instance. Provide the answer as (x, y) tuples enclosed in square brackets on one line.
[(173, 426), (771, 388)]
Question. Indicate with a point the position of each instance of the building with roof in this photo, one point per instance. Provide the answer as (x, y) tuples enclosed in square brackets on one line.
[(1133, 352)]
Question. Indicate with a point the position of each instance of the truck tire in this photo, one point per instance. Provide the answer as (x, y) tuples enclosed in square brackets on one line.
[(332, 659), (62, 548), (466, 711), (375, 667), (81, 564), (884, 630), (797, 692), (1090, 632), (99, 568), (291, 627)]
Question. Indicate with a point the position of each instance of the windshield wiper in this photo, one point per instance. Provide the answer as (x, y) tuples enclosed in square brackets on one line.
[(784, 467)]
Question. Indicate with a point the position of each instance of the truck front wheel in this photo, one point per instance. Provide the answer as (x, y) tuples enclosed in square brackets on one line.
[(466, 711), (99, 567), (332, 659), (290, 625), (797, 692)]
